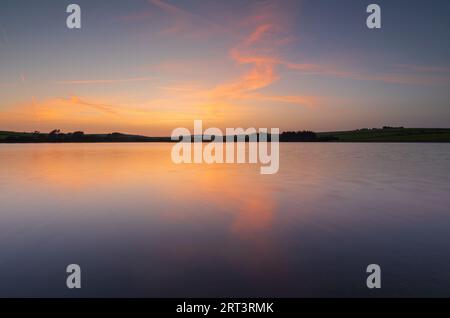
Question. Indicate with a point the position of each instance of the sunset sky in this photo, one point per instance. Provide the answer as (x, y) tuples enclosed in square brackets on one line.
[(149, 66)]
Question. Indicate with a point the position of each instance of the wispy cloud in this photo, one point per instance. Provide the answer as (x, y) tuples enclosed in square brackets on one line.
[(109, 109), (179, 88), (106, 81), (182, 21), (415, 75), (425, 69), (172, 9), (259, 50), (415, 78), (257, 35)]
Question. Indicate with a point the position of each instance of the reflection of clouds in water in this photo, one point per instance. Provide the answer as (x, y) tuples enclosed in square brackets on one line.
[(244, 201), (233, 189), (88, 167), (140, 180), (190, 229), (84, 167)]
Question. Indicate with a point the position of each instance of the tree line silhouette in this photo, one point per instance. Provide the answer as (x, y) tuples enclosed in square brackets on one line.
[(79, 136)]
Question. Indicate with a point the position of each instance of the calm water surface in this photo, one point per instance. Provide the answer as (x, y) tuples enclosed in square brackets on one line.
[(141, 226)]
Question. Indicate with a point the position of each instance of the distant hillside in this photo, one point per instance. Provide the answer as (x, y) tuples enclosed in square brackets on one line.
[(391, 134), (385, 134), (57, 136)]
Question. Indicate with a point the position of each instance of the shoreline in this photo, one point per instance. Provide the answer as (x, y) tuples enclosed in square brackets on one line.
[(172, 142), (373, 135)]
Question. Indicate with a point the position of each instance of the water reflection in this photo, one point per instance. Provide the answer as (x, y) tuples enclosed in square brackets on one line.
[(160, 229)]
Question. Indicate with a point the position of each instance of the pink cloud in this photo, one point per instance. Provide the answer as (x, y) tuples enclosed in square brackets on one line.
[(258, 34)]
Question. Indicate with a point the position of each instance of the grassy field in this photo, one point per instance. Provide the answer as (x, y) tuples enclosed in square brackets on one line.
[(6, 134), (391, 135)]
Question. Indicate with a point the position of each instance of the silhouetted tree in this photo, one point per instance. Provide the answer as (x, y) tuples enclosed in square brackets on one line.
[(291, 136)]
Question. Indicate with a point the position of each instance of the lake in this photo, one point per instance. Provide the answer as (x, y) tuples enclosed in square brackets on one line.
[(142, 226)]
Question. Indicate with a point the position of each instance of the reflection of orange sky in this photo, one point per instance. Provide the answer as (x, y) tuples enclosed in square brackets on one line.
[(252, 201), (146, 177), (140, 180), (83, 168)]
